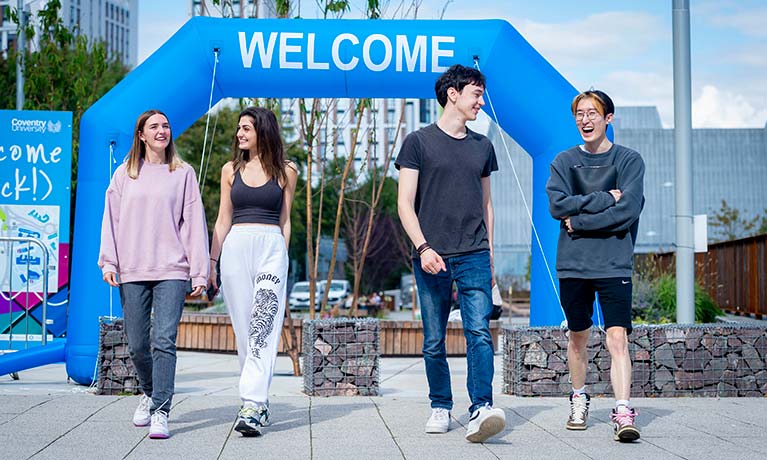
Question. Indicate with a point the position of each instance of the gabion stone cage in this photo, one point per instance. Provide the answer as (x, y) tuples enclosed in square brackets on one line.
[(116, 374), (341, 357), (667, 360)]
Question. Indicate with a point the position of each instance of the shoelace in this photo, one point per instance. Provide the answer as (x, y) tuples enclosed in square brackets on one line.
[(441, 414), (578, 408), (248, 412), (624, 418), (144, 402)]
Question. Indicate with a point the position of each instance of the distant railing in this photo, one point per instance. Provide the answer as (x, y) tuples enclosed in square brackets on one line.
[(733, 272)]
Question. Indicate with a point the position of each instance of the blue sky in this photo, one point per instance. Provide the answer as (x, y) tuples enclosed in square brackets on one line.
[(623, 47)]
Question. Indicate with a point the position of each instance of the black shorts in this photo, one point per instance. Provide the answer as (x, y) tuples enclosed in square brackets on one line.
[(577, 295)]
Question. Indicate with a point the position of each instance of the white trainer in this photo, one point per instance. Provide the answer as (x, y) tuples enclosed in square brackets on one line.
[(159, 428), (142, 417), (439, 422), (485, 423)]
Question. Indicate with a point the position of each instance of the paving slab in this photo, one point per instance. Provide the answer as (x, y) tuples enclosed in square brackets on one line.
[(44, 416)]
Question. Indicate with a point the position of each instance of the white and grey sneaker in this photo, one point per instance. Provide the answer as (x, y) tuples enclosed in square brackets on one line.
[(250, 420), (439, 422), (485, 423), (579, 411), (159, 427), (142, 417)]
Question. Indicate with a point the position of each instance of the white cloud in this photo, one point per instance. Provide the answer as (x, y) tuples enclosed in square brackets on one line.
[(749, 22), (596, 37), (630, 88), (724, 109)]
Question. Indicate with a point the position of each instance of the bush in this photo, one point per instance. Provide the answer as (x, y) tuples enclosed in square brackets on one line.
[(655, 301)]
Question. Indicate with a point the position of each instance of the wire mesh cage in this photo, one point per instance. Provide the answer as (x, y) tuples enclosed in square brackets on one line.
[(667, 360), (341, 357), (116, 374)]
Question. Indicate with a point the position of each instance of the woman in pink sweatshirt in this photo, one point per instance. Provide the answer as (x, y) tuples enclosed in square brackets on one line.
[(153, 241)]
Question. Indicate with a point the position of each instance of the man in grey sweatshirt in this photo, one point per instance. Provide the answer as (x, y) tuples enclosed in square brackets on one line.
[(596, 192)]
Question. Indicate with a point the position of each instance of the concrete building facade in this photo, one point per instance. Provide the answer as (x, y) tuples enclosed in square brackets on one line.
[(114, 21)]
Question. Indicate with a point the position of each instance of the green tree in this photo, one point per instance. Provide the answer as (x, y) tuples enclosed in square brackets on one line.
[(66, 73), (729, 223), (218, 151)]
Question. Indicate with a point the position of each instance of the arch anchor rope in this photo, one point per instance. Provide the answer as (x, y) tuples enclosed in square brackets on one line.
[(207, 121)]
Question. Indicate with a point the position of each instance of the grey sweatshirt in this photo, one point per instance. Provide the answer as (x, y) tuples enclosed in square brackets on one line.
[(604, 231)]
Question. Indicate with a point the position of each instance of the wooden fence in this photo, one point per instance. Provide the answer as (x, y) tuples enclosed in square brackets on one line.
[(733, 272), (213, 332)]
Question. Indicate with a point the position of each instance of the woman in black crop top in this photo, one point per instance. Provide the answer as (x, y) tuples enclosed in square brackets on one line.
[(250, 239)]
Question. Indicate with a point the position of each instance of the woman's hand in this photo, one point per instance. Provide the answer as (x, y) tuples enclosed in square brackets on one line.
[(197, 290), (213, 275), (111, 279)]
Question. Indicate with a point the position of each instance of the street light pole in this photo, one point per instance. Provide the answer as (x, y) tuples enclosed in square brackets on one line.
[(685, 257), (20, 48)]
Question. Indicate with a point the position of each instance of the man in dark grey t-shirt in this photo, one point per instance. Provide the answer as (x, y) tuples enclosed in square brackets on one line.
[(445, 207)]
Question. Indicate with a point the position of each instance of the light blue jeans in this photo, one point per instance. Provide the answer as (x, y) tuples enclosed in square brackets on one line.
[(152, 337), (472, 275)]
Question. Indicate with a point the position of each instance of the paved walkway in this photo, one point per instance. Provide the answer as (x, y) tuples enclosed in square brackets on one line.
[(42, 416)]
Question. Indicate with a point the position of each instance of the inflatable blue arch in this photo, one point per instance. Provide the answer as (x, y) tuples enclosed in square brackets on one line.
[(314, 58)]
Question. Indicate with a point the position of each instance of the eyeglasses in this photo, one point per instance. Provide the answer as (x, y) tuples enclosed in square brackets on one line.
[(591, 115)]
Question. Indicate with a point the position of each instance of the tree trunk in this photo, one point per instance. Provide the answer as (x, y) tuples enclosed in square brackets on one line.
[(374, 200), (349, 162)]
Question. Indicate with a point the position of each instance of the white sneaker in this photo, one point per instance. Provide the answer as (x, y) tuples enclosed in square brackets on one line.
[(439, 422), (142, 417), (159, 428), (484, 423)]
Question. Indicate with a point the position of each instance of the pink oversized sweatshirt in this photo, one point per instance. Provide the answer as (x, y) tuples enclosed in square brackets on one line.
[(154, 226)]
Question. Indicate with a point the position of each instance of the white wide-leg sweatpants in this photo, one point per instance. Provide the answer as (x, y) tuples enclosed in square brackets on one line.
[(254, 265)]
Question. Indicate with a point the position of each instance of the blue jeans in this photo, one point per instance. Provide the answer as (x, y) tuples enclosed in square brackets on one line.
[(472, 275), (155, 361)]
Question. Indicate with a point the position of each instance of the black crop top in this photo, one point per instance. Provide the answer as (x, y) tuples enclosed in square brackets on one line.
[(256, 205)]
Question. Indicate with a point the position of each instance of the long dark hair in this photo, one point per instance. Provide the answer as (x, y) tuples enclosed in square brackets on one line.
[(138, 148), (270, 149)]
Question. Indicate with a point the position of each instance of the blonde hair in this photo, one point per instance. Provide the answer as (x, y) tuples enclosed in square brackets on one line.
[(602, 102), (138, 148)]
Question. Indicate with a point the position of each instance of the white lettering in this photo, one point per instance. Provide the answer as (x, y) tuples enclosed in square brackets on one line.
[(403, 50), (55, 155), (264, 52), (15, 153), (2, 150), (387, 52), (36, 153), (50, 184), (310, 63), (20, 185), (437, 53), (4, 191), (285, 49), (336, 55), (28, 125), (409, 53)]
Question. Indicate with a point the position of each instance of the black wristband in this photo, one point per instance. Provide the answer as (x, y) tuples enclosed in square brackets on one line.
[(422, 248)]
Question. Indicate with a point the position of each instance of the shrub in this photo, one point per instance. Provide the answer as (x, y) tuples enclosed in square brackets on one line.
[(659, 305)]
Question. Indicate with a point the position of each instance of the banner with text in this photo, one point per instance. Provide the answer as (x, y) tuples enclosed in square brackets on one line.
[(35, 189)]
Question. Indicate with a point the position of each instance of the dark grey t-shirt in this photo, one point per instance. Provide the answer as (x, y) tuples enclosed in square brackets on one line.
[(448, 201)]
